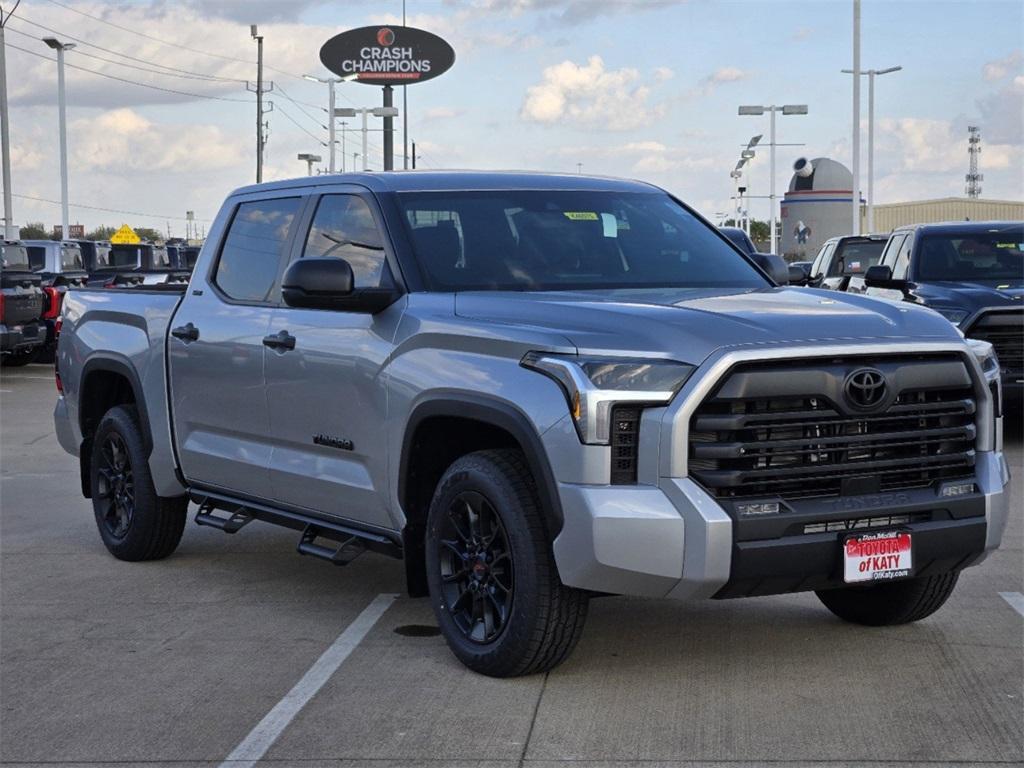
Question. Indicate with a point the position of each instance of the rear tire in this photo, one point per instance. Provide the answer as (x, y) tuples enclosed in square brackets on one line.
[(134, 523), (899, 602), (492, 576)]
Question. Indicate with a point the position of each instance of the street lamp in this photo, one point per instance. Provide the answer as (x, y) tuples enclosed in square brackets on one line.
[(871, 138), (330, 81), (60, 47), (786, 109), (364, 111), (310, 159)]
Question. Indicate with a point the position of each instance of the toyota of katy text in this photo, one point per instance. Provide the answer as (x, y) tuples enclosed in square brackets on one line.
[(535, 389)]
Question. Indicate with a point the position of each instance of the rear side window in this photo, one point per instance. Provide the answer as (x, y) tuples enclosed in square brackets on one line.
[(899, 272), (344, 227), (70, 257), (251, 255), (854, 257), (14, 257), (891, 249)]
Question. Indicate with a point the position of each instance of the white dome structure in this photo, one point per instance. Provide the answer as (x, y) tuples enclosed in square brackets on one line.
[(816, 207)]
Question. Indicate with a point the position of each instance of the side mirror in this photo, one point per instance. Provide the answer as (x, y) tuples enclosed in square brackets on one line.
[(317, 283), (774, 265), (880, 276), (328, 283), (799, 274)]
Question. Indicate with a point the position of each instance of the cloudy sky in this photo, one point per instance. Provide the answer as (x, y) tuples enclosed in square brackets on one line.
[(639, 88)]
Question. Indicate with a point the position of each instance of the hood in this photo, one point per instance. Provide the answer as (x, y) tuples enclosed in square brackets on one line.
[(688, 325), (972, 296)]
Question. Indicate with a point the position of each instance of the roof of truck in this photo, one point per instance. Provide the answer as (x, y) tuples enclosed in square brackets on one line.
[(962, 226), (422, 181)]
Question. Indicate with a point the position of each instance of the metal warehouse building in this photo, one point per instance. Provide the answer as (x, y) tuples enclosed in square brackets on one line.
[(892, 215)]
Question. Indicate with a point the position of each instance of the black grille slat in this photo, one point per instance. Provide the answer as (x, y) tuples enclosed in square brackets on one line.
[(755, 443), (1005, 332)]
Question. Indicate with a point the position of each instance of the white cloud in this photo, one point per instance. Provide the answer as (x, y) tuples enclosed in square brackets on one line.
[(441, 113), (589, 95), (721, 76), (661, 74), (1000, 68)]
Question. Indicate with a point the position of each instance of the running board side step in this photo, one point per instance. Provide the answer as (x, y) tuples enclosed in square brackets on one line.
[(351, 539), (343, 554)]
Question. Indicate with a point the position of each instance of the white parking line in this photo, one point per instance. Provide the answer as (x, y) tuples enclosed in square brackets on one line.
[(1015, 599), (266, 732)]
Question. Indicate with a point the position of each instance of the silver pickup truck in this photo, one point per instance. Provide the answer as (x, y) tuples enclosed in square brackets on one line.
[(534, 389)]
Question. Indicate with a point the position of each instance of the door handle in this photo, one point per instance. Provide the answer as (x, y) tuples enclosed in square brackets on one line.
[(186, 333), (281, 340)]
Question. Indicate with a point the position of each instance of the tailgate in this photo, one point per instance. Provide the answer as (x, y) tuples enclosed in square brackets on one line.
[(23, 298)]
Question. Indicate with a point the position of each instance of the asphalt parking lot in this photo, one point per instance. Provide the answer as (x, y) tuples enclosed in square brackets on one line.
[(177, 662)]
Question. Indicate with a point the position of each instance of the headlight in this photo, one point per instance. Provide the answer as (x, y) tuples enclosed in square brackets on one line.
[(955, 316), (986, 356), (593, 385)]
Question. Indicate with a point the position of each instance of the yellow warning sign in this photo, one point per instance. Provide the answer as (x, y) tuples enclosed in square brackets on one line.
[(125, 235)]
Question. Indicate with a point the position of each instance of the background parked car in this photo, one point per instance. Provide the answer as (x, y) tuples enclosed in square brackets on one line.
[(151, 261), (21, 306), (841, 258), (774, 265), (61, 267), (970, 272), (107, 267)]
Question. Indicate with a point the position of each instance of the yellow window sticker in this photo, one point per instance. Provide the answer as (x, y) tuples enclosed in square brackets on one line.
[(581, 215)]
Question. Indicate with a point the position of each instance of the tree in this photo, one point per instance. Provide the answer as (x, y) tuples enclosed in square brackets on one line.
[(147, 233), (101, 233), (34, 230)]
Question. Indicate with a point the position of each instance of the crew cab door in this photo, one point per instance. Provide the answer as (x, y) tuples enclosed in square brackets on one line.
[(216, 350), (325, 388), (896, 256)]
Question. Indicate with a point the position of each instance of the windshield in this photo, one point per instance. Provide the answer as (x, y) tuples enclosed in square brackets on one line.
[(970, 257), (567, 240), (853, 257), (14, 257), (70, 257), (119, 256), (161, 259)]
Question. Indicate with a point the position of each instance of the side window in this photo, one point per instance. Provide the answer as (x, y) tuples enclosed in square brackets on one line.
[(251, 256), (899, 272), (36, 257), (821, 262), (344, 227), (891, 249)]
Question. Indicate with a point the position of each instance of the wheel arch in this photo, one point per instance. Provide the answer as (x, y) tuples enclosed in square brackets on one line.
[(467, 423), (107, 382)]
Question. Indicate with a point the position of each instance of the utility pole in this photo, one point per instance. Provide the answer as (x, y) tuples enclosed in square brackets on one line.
[(405, 114), (389, 129), (60, 47), (856, 118), (871, 73), (355, 158), (260, 140), (414, 155), (10, 231), (343, 125)]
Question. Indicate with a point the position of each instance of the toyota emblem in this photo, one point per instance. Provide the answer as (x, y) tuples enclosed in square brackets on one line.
[(865, 388)]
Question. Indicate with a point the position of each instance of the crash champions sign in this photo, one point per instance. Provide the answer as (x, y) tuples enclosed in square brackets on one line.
[(387, 55)]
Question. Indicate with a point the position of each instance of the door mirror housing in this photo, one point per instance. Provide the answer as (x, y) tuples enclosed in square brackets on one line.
[(774, 265), (328, 283), (880, 276), (799, 274)]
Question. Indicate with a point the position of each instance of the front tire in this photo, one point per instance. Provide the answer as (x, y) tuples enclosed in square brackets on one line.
[(884, 605), (492, 576), (134, 523)]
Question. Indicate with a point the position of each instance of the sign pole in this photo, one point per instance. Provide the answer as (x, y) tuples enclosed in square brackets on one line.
[(389, 130)]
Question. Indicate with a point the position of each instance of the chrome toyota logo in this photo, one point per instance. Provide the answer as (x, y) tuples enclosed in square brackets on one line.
[(865, 388)]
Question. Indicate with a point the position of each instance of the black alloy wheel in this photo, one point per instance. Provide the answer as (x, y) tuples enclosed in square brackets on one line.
[(477, 573), (116, 486)]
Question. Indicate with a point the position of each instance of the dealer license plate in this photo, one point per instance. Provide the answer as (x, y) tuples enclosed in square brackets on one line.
[(877, 556)]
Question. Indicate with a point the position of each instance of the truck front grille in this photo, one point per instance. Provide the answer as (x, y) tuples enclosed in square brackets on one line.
[(625, 435), (783, 430), (1005, 332)]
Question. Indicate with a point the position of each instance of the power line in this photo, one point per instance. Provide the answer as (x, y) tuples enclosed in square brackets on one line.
[(133, 82), (296, 123), (299, 104), (171, 45), (124, 55), (207, 78), (110, 210)]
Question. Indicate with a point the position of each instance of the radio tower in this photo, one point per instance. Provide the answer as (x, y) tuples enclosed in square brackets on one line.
[(974, 178)]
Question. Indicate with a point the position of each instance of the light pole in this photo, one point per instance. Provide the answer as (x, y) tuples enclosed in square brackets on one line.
[(310, 159), (786, 109), (355, 157), (331, 82), (856, 118), (364, 111), (871, 138), (10, 232), (60, 47)]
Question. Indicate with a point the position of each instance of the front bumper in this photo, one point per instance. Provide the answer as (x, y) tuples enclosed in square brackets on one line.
[(675, 540)]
